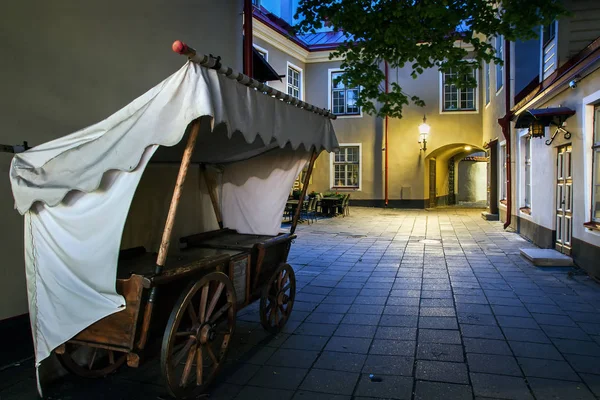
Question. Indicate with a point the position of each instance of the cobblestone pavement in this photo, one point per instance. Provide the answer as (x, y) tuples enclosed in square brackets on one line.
[(437, 304)]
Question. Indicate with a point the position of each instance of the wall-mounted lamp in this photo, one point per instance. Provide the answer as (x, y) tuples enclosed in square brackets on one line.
[(424, 129), (537, 129)]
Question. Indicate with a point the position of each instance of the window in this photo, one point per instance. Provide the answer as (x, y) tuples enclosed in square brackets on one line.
[(457, 99), (346, 166), (549, 32), (549, 49), (263, 52), (294, 81), (343, 98), (502, 180), (526, 170), (499, 67), (596, 166), (487, 83)]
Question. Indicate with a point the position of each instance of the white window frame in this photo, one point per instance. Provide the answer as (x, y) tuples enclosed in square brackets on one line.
[(549, 44), (300, 76), (332, 169), (331, 71), (488, 84), (475, 94), (499, 47), (523, 156), (502, 173), (262, 50), (589, 102)]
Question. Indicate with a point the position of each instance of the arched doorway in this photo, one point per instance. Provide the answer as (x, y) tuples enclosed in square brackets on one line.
[(446, 180)]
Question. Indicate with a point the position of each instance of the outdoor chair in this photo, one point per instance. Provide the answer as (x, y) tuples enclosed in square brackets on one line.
[(311, 211), (339, 207), (318, 204), (346, 206), (288, 212)]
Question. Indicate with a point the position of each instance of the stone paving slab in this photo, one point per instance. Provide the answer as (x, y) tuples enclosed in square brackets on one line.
[(438, 304)]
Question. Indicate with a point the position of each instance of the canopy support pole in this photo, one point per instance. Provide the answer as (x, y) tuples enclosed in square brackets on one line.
[(166, 237), (213, 197), (304, 189)]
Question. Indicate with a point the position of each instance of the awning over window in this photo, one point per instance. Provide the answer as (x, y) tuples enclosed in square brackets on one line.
[(262, 70), (546, 116)]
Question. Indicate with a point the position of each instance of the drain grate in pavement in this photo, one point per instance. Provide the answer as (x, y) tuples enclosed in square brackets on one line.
[(352, 235)]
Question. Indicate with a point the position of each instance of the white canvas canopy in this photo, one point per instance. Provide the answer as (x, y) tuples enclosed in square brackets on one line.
[(75, 192)]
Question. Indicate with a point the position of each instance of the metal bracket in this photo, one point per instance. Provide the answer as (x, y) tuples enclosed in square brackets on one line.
[(6, 148), (558, 129)]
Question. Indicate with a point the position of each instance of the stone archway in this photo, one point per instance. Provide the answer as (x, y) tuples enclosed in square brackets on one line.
[(441, 173)]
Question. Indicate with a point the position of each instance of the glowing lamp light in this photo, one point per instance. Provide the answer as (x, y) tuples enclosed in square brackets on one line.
[(537, 129), (424, 129)]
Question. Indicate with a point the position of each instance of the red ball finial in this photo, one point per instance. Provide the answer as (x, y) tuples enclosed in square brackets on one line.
[(179, 47)]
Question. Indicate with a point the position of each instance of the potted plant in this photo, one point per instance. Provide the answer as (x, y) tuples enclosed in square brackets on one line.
[(296, 194)]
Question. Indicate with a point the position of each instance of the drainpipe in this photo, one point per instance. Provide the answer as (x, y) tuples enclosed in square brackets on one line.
[(505, 124), (386, 137), (248, 37)]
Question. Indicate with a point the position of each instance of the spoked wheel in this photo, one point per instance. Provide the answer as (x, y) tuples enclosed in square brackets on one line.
[(197, 336), (90, 362), (277, 299)]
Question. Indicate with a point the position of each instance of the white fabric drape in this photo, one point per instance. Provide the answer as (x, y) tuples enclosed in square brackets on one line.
[(71, 253), (254, 203), (75, 192), (160, 116)]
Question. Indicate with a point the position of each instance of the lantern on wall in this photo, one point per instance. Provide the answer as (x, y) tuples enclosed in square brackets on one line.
[(424, 129), (537, 129), (537, 119)]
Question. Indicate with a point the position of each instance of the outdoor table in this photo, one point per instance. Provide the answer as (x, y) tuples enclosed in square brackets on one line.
[(328, 204), (292, 204)]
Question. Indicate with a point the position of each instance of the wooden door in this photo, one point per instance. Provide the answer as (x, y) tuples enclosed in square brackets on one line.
[(564, 199), (432, 191), (492, 178)]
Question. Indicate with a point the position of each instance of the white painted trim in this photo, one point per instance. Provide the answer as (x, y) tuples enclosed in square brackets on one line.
[(503, 66), (360, 168), (441, 97), (277, 40), (487, 87), (262, 50), (587, 130), (301, 73), (521, 178), (329, 72), (541, 46), (320, 56), (501, 182)]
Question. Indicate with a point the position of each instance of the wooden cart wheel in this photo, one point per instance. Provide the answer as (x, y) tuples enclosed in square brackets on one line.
[(277, 299), (90, 362), (197, 336)]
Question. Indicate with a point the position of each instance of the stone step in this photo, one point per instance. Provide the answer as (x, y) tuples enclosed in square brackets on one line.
[(489, 217), (547, 258)]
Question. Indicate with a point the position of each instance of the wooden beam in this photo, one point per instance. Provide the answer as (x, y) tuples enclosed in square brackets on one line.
[(183, 169), (313, 158), (166, 237)]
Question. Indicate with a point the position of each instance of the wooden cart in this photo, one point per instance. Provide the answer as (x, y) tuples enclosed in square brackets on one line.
[(192, 299), (219, 273)]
